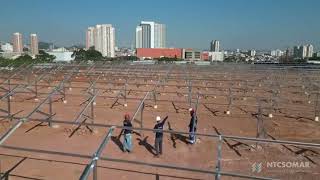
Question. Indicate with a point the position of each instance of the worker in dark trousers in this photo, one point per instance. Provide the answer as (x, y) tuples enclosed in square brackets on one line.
[(127, 140), (159, 135), (192, 126)]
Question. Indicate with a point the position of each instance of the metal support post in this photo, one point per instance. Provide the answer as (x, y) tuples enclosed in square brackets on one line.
[(155, 98), (259, 119), (64, 92), (141, 114), (50, 111), (9, 85), (260, 122), (229, 101), (125, 91), (218, 167), (9, 107), (190, 93), (316, 110), (93, 164), (246, 89), (95, 171), (92, 111), (36, 88), (197, 103), (9, 100)]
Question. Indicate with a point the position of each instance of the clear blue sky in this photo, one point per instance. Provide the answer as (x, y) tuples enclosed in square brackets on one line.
[(244, 24)]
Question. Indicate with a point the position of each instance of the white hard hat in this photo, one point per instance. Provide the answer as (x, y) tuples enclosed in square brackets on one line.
[(158, 118), (190, 109)]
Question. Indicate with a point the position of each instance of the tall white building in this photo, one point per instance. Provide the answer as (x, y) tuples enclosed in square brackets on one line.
[(216, 56), (277, 53), (252, 53), (309, 50), (102, 37), (34, 44), (106, 42), (17, 42), (98, 38), (90, 37), (150, 35), (303, 51), (159, 35), (139, 37), (215, 46)]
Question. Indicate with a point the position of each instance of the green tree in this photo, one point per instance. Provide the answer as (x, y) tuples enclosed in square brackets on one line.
[(24, 59), (4, 62), (44, 57), (131, 58), (315, 58), (90, 54), (79, 55), (170, 59)]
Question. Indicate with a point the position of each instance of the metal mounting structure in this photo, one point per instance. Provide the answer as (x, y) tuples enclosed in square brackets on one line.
[(157, 79)]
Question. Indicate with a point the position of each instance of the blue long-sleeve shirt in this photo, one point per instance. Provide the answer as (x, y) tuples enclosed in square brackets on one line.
[(127, 124), (193, 123)]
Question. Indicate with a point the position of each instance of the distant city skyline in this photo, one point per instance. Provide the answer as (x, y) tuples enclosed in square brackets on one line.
[(243, 24)]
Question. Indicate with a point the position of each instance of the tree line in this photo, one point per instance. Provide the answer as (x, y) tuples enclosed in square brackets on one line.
[(42, 57)]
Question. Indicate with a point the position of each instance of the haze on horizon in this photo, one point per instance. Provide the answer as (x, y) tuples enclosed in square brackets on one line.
[(244, 24)]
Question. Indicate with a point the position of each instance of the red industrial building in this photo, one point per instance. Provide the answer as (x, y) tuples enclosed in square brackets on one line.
[(151, 53)]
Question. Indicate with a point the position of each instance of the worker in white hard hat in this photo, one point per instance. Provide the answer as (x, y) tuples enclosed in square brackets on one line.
[(192, 126), (159, 135)]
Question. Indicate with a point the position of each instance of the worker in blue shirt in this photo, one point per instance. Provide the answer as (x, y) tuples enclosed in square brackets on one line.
[(127, 141), (192, 126), (159, 135)]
